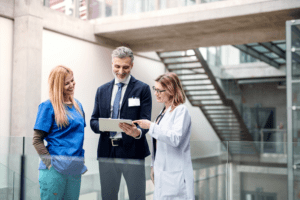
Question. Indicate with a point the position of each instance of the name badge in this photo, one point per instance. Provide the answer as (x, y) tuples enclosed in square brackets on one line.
[(133, 102)]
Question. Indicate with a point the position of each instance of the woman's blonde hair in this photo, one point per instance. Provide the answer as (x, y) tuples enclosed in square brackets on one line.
[(56, 93), (171, 83)]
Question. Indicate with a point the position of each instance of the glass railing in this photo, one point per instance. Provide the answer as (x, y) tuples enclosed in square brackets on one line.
[(254, 175), (93, 9), (14, 186), (273, 141), (222, 170)]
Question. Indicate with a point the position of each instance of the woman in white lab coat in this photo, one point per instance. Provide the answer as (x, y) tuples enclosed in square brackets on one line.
[(171, 168)]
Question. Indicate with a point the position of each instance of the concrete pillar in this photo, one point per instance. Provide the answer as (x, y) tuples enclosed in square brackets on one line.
[(103, 8), (76, 9), (120, 7), (27, 64), (26, 82), (235, 183), (172, 3), (157, 7)]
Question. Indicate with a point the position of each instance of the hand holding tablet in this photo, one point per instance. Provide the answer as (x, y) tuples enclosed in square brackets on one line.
[(107, 124)]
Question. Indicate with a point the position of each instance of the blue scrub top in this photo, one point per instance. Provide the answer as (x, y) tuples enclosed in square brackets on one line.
[(64, 144)]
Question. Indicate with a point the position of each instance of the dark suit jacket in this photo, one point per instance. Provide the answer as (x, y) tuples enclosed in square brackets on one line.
[(133, 148)]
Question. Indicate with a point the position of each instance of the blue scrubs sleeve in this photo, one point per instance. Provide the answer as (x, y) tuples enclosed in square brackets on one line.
[(45, 117), (80, 105)]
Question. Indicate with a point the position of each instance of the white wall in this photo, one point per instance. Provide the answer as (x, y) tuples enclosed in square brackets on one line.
[(6, 45), (269, 96), (270, 183)]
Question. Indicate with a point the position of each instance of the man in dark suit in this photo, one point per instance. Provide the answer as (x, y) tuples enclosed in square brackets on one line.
[(122, 152)]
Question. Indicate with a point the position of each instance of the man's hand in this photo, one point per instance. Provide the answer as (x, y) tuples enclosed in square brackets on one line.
[(143, 123), (152, 175), (130, 129)]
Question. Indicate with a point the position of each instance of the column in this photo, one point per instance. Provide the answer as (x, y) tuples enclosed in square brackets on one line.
[(26, 80), (157, 2), (120, 7), (27, 64)]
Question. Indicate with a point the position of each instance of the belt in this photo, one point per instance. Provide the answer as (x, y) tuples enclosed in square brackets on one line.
[(116, 142)]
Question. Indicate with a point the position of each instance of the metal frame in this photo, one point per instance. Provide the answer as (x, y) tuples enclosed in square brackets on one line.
[(259, 55), (289, 52)]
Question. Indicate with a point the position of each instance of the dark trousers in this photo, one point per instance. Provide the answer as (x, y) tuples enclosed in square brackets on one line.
[(111, 170)]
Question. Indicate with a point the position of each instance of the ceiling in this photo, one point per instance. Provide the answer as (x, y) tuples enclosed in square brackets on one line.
[(181, 30)]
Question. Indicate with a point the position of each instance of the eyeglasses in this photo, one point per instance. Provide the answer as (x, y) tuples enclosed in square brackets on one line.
[(157, 90)]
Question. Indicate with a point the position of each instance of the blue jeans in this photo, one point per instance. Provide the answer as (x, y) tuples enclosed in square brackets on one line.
[(54, 185)]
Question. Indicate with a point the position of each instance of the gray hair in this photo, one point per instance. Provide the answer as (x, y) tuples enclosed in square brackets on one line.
[(122, 52)]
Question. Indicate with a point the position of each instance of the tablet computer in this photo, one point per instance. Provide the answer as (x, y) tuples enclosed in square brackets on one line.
[(106, 124)]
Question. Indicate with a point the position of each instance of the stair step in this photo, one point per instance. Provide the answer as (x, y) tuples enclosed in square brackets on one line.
[(211, 117), (183, 68), (188, 74), (221, 123), (195, 79), (220, 113), (201, 95), (200, 105), (208, 89), (228, 129), (198, 84), (183, 56), (211, 112), (223, 109), (224, 126), (186, 62), (205, 99), (229, 132)]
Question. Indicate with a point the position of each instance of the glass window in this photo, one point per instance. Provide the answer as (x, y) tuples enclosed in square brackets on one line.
[(271, 55), (246, 58), (282, 46), (280, 60), (260, 49)]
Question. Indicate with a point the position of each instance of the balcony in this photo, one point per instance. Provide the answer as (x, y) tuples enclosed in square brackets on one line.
[(218, 173)]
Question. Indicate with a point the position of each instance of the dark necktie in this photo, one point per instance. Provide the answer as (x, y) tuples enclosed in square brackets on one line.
[(116, 105)]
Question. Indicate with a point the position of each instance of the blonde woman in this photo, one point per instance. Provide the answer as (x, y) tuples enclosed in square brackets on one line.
[(60, 121), (171, 168)]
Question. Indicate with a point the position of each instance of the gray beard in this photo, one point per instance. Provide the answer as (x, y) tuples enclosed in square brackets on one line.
[(120, 80)]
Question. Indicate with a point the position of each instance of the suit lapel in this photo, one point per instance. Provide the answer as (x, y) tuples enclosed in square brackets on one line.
[(128, 90), (108, 95)]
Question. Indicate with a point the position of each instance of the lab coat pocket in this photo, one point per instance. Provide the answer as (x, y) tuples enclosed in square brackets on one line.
[(173, 184)]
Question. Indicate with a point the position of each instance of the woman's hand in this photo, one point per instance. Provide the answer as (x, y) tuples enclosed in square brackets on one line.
[(143, 123), (152, 174), (130, 129)]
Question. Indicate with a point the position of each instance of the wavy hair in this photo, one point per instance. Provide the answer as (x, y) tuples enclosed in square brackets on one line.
[(56, 82), (171, 83)]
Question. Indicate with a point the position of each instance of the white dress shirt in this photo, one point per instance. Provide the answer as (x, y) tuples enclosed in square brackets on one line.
[(113, 96)]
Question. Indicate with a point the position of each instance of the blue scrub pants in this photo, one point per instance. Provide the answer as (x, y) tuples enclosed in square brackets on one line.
[(54, 185)]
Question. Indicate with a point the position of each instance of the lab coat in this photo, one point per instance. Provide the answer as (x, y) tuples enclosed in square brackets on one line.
[(173, 171)]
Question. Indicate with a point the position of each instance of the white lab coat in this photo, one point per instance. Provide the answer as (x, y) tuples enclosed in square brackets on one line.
[(173, 171)]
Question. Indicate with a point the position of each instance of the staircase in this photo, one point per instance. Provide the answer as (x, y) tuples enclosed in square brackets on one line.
[(203, 91)]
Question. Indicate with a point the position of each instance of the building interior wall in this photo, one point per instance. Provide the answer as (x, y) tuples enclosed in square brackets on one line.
[(270, 183), (268, 96), (6, 45)]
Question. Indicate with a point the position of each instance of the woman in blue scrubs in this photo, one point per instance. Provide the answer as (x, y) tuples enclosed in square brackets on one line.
[(60, 121)]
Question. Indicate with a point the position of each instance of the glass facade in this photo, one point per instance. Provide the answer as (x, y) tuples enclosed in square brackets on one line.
[(293, 63), (93, 9)]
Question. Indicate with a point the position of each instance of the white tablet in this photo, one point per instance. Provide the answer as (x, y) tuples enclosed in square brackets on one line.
[(106, 124)]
